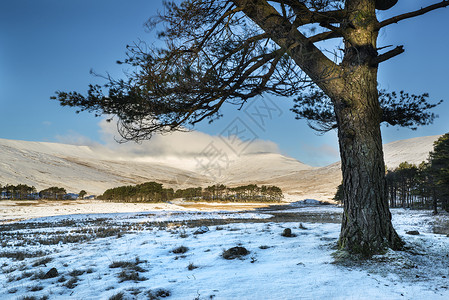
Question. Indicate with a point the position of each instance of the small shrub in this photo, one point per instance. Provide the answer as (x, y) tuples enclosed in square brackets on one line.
[(9, 270), (35, 288), (288, 233), (180, 250), (38, 275), (75, 273), (118, 296), (158, 294), (42, 261), (12, 291), (130, 275), (61, 279), (263, 247), (21, 255), (71, 284), (191, 267), (27, 298), (26, 274), (127, 265)]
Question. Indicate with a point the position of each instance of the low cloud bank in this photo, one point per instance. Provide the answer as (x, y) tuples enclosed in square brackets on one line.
[(182, 145)]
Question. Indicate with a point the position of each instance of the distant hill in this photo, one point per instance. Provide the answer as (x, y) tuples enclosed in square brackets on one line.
[(96, 169)]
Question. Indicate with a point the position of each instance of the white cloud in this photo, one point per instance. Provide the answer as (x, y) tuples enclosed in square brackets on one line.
[(182, 144), (320, 155), (74, 138)]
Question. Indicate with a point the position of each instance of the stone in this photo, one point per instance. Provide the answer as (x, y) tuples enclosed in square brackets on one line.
[(413, 232), (235, 252), (52, 273), (201, 230)]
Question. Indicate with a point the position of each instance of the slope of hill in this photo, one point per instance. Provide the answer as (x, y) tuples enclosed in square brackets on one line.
[(413, 150), (96, 169), (81, 167)]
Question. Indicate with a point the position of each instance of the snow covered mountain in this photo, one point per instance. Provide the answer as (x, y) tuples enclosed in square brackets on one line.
[(96, 168)]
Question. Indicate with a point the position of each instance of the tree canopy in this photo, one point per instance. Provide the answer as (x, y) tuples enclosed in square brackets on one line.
[(214, 55)]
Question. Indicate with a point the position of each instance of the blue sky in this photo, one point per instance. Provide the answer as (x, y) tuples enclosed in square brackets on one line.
[(50, 45)]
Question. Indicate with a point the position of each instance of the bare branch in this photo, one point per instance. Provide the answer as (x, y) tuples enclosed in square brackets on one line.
[(412, 14), (386, 56), (324, 36)]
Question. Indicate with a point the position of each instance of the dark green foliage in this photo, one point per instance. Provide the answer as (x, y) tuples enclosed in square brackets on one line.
[(244, 193), (339, 195), (145, 192), (401, 109), (81, 194), (439, 169), (423, 186), (53, 193), (189, 193), (154, 192), (18, 192)]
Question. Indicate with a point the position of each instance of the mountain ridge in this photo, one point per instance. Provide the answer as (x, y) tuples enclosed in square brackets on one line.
[(97, 168)]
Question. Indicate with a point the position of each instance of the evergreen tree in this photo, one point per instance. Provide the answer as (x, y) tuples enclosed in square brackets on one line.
[(81, 194), (439, 169), (221, 51)]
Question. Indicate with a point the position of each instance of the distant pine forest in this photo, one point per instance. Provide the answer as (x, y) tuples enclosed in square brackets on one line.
[(150, 192), (26, 192), (155, 192)]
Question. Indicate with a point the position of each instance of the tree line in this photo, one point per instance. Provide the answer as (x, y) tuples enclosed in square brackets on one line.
[(423, 186), (155, 192), (145, 192), (244, 193), (26, 192)]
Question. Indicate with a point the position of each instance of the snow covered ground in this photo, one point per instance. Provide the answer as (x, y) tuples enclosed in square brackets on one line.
[(157, 255)]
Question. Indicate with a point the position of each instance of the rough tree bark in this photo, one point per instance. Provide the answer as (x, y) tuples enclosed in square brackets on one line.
[(366, 225)]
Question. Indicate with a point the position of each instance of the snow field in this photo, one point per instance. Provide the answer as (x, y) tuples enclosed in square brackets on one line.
[(277, 267)]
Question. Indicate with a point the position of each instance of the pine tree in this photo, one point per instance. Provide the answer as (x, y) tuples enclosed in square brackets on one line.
[(220, 51), (439, 168)]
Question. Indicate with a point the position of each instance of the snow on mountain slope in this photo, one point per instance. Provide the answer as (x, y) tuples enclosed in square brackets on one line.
[(413, 150), (253, 168), (96, 168), (81, 167)]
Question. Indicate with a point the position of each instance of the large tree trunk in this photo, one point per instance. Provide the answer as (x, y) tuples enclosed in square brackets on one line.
[(366, 225), (352, 86)]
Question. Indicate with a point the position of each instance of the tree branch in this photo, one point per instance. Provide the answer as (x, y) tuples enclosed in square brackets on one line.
[(412, 14), (324, 36), (387, 55), (306, 55)]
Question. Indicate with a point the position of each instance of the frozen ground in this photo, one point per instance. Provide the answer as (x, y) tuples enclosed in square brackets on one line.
[(137, 255)]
